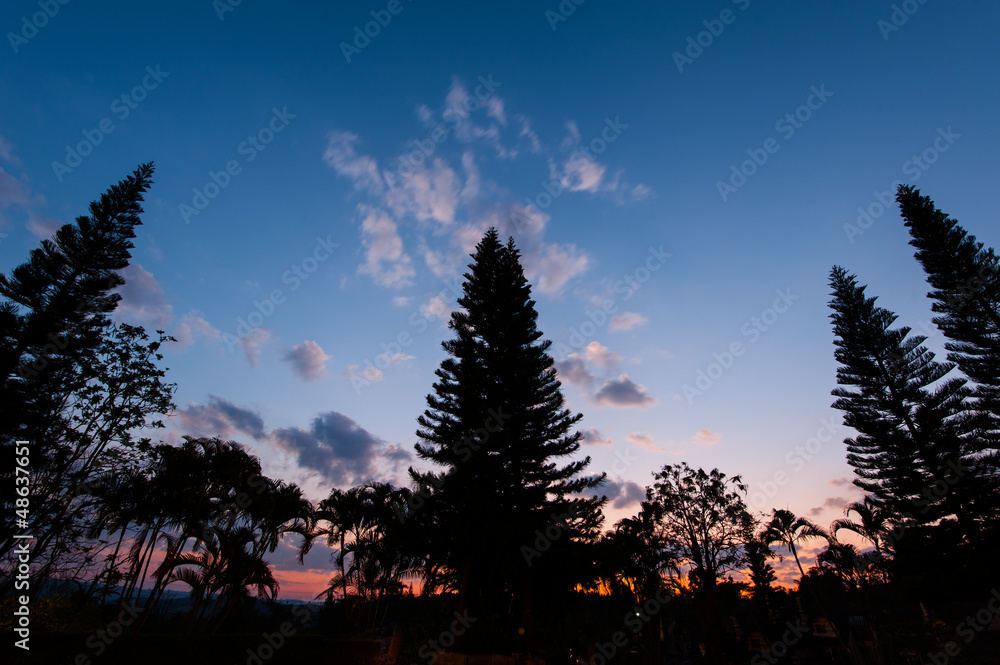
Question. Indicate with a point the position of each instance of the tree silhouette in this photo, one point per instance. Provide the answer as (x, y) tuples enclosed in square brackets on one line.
[(917, 438), (705, 516), (874, 524), (965, 277), (70, 381), (117, 388), (496, 423), (761, 571), (206, 506), (636, 556), (363, 528), (788, 529), (56, 305)]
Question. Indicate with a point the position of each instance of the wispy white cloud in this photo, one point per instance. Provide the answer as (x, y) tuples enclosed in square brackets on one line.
[(572, 138), (473, 178), (145, 303), (385, 261), (428, 193), (42, 226), (705, 437), (623, 321), (7, 152), (534, 145), (437, 307), (453, 207), (16, 196), (644, 440), (252, 343), (640, 192), (143, 300), (390, 359), (599, 355), (341, 154), (192, 326), (366, 375), (552, 266), (12, 190), (494, 109), (580, 173)]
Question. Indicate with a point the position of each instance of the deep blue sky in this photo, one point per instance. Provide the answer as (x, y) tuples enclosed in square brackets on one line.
[(287, 391)]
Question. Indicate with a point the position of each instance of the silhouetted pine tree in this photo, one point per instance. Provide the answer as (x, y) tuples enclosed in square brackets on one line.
[(917, 438), (965, 277), (502, 515), (55, 307), (71, 383)]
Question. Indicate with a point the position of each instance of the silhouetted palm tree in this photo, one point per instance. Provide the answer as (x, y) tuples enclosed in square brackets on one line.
[(842, 559), (636, 556), (373, 552), (874, 525), (788, 529)]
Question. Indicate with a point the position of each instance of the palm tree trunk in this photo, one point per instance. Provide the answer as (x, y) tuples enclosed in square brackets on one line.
[(343, 576)]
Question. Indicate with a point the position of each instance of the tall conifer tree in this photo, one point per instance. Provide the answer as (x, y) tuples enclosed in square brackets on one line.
[(503, 516), (71, 383), (917, 442), (965, 278), (55, 307)]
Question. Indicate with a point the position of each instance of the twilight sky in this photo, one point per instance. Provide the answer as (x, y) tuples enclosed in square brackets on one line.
[(680, 178)]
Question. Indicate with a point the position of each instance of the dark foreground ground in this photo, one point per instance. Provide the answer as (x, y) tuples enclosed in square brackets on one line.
[(72, 649)]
